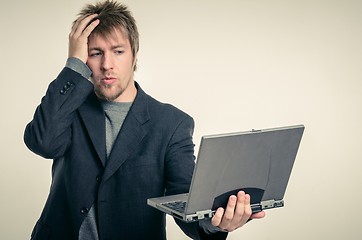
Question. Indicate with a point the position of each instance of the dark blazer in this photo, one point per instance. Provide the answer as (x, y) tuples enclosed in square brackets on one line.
[(152, 156)]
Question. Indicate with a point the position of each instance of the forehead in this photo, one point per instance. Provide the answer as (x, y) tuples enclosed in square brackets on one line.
[(116, 36)]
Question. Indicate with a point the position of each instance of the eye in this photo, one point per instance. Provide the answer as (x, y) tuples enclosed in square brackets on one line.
[(119, 52), (95, 54)]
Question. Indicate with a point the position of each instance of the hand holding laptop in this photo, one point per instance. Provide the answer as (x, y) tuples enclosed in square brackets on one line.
[(237, 213), (236, 175)]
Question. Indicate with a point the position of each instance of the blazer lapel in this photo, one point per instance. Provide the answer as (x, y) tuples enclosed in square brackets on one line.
[(94, 120), (130, 135)]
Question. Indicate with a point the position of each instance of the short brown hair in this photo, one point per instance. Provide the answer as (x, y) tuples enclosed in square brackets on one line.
[(114, 15)]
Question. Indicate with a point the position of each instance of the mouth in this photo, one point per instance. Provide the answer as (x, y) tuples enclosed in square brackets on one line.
[(108, 80)]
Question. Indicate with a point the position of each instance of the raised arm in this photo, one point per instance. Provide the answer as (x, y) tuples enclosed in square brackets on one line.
[(49, 133)]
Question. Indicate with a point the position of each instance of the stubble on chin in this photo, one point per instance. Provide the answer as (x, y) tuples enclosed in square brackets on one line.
[(104, 93)]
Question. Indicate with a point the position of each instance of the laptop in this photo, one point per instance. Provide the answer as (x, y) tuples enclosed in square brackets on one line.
[(258, 162)]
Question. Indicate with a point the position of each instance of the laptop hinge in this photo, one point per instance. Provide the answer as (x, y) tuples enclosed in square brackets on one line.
[(272, 204), (199, 215), (267, 205), (204, 214)]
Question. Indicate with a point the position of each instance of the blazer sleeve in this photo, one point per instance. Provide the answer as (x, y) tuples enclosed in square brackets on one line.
[(180, 162), (49, 132)]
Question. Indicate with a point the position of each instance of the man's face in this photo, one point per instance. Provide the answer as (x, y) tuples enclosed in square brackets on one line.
[(112, 63)]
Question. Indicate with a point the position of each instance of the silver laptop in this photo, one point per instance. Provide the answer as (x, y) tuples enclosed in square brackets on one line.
[(258, 162)]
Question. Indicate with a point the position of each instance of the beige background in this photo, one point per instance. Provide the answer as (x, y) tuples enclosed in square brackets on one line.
[(233, 65)]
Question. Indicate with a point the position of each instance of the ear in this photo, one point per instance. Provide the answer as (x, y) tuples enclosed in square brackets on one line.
[(134, 63)]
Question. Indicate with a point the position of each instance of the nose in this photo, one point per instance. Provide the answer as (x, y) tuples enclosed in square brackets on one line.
[(107, 62)]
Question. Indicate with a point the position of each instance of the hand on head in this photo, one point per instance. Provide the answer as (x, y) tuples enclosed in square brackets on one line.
[(78, 37)]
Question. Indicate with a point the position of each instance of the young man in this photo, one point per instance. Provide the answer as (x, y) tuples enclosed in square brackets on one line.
[(113, 145)]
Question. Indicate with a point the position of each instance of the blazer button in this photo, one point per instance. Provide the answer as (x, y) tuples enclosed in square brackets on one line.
[(98, 178), (63, 91), (84, 210)]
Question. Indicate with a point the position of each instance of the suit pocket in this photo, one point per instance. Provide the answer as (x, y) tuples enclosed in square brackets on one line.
[(40, 232)]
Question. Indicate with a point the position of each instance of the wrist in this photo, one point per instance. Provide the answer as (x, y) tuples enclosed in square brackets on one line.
[(78, 66)]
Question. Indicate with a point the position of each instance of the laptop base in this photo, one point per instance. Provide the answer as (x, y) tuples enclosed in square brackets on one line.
[(173, 209)]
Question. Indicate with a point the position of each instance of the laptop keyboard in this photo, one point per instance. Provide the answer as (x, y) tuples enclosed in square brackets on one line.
[(177, 206)]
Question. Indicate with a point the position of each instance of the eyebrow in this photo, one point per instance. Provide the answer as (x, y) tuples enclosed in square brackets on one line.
[(100, 49)]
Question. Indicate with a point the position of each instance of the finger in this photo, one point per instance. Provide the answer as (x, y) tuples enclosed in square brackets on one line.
[(216, 219), (76, 23), (247, 209), (239, 209), (81, 24), (258, 215), (242, 211), (229, 213), (88, 30)]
